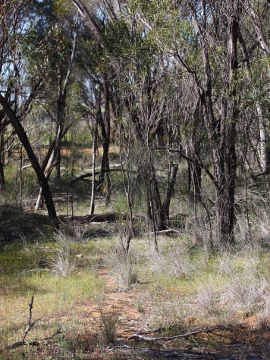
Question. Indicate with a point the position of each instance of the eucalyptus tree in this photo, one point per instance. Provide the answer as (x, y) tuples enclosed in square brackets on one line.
[(61, 55), (203, 39), (257, 13), (97, 20), (138, 94)]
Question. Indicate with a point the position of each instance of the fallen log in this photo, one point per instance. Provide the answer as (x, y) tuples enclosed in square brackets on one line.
[(107, 217), (113, 167)]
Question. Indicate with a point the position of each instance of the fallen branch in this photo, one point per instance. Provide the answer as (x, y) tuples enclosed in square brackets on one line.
[(33, 342), (170, 338), (158, 232), (110, 217), (113, 167), (26, 166)]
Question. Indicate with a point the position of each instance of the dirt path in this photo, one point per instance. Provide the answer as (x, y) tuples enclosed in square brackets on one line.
[(86, 334), (119, 305)]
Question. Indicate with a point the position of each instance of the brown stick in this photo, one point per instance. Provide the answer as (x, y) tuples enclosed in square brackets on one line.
[(170, 338), (29, 325)]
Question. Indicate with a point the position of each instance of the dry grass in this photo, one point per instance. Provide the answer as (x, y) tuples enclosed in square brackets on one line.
[(108, 328), (207, 298), (174, 260), (122, 265), (62, 263)]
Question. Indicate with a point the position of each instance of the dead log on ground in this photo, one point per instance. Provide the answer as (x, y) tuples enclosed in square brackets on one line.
[(107, 217)]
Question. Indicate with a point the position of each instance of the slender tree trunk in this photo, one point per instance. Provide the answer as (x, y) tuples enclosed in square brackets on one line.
[(194, 176), (2, 176), (2, 158), (58, 161), (61, 105), (94, 153), (222, 132), (32, 157), (126, 177), (263, 148), (48, 164), (156, 213), (196, 181), (169, 193), (21, 174), (105, 124), (226, 192)]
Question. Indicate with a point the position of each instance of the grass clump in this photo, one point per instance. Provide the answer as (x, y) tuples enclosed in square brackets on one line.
[(62, 263), (122, 266), (172, 260), (108, 327)]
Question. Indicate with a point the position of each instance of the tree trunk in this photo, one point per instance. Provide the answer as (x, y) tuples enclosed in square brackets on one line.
[(61, 105), (94, 149), (105, 124), (58, 161), (196, 172), (169, 193), (32, 157), (222, 132), (225, 211), (263, 149), (2, 176), (2, 157)]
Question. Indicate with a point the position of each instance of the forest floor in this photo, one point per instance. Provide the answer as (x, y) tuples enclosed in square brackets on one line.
[(75, 320)]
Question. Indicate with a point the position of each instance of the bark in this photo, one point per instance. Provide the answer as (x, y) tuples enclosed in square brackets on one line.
[(222, 132), (158, 211), (58, 161), (37, 168), (170, 189), (263, 148), (21, 174), (105, 124), (2, 155), (2, 176), (48, 165), (225, 209), (264, 141), (196, 173), (126, 178), (94, 148)]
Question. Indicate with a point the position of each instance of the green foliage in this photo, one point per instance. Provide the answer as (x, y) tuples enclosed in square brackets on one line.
[(46, 54)]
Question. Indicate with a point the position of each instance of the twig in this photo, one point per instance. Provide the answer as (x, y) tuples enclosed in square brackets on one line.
[(28, 328), (153, 331), (29, 325)]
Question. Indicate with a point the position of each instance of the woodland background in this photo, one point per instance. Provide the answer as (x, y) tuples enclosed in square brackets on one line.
[(135, 140)]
